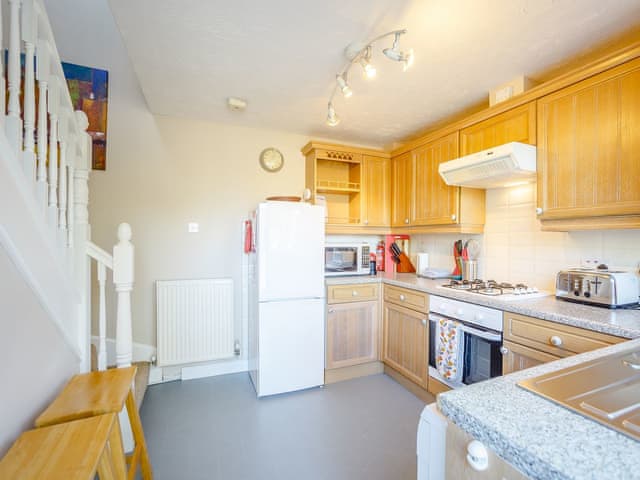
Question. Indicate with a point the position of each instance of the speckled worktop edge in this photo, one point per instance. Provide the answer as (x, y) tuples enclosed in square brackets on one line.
[(540, 438), (620, 322)]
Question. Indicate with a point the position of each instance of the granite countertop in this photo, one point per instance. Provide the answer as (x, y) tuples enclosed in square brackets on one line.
[(540, 438), (620, 322)]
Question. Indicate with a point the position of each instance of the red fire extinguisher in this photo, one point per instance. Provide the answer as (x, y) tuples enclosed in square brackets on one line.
[(380, 256), (248, 236)]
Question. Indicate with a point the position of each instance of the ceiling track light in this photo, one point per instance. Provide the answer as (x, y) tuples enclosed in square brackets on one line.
[(344, 86), (362, 54), (332, 117)]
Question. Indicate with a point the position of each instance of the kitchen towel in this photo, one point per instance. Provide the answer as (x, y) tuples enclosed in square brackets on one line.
[(450, 350)]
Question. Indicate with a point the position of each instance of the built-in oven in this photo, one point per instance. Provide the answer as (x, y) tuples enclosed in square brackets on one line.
[(480, 358)]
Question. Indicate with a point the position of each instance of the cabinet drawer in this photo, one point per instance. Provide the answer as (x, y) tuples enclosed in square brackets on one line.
[(407, 298), (557, 339), (352, 293)]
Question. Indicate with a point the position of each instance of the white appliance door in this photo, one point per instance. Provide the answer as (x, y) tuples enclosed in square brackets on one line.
[(291, 346), (290, 248)]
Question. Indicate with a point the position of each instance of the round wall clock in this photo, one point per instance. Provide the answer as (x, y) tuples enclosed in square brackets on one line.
[(271, 159)]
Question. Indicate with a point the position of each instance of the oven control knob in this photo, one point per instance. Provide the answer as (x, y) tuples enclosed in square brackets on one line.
[(555, 340), (576, 293), (504, 350)]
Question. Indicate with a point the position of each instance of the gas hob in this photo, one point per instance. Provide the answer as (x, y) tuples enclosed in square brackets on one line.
[(500, 290)]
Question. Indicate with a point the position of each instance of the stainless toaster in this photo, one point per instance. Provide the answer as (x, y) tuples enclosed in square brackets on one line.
[(598, 287)]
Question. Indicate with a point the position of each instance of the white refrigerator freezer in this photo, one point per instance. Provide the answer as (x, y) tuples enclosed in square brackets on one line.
[(286, 297)]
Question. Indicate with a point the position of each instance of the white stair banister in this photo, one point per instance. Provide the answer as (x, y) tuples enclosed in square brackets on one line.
[(123, 274), (13, 124), (29, 36)]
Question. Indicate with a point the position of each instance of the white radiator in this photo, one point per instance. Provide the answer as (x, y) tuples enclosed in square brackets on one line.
[(194, 320)]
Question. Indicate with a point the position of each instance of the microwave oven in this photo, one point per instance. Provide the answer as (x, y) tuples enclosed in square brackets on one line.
[(346, 259)]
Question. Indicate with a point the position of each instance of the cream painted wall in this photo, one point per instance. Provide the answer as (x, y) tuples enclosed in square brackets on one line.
[(203, 173), (35, 361)]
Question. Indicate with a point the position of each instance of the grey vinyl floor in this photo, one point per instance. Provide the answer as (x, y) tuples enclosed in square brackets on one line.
[(216, 428)]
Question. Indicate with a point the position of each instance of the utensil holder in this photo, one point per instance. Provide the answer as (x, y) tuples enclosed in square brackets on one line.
[(469, 269)]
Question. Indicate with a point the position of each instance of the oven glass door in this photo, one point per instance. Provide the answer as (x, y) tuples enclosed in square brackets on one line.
[(482, 357)]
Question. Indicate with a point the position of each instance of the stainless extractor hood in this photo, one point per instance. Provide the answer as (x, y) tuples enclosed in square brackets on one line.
[(502, 166)]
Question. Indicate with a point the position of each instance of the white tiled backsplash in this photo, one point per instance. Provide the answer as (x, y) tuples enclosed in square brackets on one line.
[(515, 249)]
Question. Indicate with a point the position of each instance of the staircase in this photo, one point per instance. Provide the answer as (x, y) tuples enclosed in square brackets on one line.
[(45, 233)]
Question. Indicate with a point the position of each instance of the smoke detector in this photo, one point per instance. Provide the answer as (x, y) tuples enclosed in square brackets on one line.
[(236, 104)]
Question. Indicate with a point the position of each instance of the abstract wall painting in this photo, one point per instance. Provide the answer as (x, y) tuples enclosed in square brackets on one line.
[(89, 92)]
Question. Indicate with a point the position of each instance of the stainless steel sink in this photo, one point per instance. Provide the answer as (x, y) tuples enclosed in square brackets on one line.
[(606, 390)]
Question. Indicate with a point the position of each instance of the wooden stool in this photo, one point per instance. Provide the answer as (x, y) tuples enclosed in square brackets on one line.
[(70, 451), (97, 393)]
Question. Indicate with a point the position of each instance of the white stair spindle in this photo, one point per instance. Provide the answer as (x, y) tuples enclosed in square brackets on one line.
[(62, 187), (53, 150), (29, 35), (42, 75), (13, 124), (102, 318), (123, 274), (70, 203)]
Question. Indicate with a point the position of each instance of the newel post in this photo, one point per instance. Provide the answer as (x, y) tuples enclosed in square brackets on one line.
[(123, 279), (80, 232)]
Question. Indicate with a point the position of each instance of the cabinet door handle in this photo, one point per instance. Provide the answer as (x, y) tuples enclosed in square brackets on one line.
[(504, 350), (354, 293), (424, 322), (555, 340), (366, 222), (538, 211), (331, 310), (406, 220), (453, 216), (402, 298)]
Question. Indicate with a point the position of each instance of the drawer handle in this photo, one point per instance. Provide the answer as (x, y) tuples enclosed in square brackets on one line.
[(331, 310), (402, 298), (354, 293), (635, 366), (555, 340), (504, 350)]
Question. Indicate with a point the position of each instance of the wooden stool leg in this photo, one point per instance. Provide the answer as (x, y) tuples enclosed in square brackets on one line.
[(105, 470), (117, 452), (138, 436)]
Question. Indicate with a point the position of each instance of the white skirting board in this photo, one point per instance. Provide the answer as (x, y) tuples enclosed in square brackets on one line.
[(191, 372)]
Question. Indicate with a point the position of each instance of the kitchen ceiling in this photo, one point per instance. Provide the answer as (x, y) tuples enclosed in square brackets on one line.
[(282, 57)]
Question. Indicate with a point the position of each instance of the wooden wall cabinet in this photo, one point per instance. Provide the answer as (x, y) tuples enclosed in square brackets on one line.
[(405, 345), (588, 163), (423, 203), (352, 325), (355, 184), (515, 125), (376, 191), (530, 341), (401, 189)]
